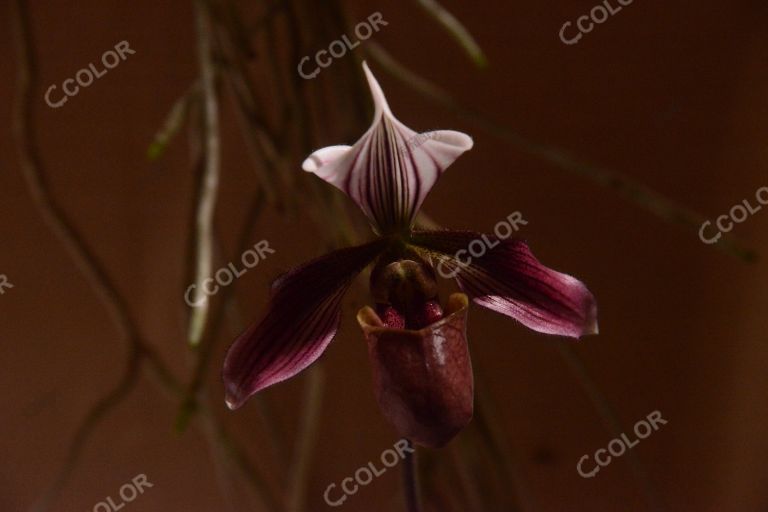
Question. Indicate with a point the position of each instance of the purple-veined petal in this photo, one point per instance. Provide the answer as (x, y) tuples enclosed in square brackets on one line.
[(391, 169), (302, 318), (507, 278)]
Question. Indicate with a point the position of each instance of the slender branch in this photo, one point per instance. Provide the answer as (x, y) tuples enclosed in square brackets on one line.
[(455, 28), (631, 190), (261, 144), (32, 167), (206, 205), (95, 415), (210, 329), (55, 217), (173, 122)]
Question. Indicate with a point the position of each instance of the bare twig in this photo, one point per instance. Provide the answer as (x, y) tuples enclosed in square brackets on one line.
[(94, 416), (173, 122), (33, 170), (206, 204), (262, 145), (210, 329), (58, 221), (55, 217), (455, 28)]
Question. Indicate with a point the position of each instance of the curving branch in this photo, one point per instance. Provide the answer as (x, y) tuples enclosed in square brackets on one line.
[(203, 355), (57, 220), (33, 170), (209, 185), (456, 29)]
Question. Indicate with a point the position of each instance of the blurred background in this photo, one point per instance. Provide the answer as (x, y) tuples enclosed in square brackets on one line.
[(188, 151)]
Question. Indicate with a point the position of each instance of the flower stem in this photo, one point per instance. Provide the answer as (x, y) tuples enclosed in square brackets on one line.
[(410, 486)]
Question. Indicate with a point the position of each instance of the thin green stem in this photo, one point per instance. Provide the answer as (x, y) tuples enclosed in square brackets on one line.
[(456, 29)]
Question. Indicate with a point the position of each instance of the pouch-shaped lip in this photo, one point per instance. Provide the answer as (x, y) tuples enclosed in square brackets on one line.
[(423, 378)]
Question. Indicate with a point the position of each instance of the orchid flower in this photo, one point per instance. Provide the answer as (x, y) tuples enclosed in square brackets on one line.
[(418, 350)]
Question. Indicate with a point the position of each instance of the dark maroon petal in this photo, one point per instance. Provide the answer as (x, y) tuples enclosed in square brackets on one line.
[(423, 379), (508, 279), (302, 318)]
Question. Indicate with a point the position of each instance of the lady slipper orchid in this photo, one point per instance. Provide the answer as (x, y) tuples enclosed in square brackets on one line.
[(421, 366)]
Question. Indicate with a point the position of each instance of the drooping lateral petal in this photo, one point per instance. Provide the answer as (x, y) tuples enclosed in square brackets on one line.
[(391, 169), (423, 378), (507, 278), (301, 320)]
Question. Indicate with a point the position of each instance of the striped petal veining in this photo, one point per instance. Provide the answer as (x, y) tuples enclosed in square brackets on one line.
[(301, 320), (391, 169), (509, 279)]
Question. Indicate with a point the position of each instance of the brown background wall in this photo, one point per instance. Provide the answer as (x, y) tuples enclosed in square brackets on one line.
[(672, 94)]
